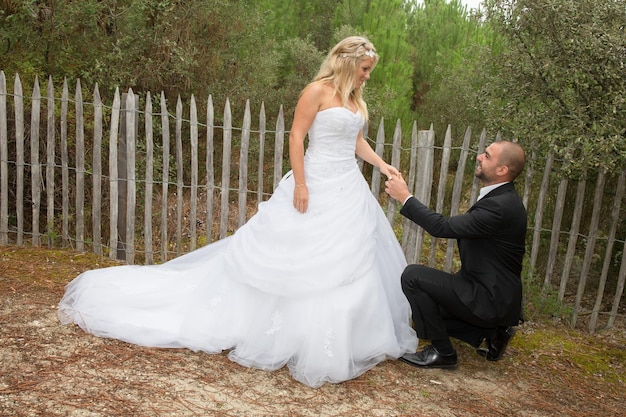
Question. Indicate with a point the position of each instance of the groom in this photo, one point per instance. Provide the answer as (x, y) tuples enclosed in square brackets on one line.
[(482, 301)]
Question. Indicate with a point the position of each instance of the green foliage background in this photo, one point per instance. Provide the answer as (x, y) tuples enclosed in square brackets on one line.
[(549, 73)]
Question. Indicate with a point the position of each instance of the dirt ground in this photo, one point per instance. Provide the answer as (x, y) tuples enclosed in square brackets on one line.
[(48, 369)]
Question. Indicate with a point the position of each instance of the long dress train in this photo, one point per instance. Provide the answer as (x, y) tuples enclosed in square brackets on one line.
[(318, 292)]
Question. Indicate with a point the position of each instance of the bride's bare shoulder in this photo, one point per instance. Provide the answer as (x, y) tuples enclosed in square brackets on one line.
[(323, 92), (318, 88)]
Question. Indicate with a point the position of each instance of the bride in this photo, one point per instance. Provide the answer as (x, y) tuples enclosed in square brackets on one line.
[(312, 281)]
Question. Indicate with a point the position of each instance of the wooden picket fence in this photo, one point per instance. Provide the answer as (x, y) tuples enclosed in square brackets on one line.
[(128, 194)]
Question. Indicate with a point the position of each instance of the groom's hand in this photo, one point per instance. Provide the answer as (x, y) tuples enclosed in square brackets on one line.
[(397, 189)]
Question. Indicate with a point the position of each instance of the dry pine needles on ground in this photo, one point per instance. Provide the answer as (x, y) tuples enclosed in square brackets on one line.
[(53, 370)]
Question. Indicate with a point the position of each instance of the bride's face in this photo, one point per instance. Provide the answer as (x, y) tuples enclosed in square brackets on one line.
[(363, 72)]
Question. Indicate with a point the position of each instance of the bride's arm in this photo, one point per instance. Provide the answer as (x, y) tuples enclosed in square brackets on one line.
[(366, 153), (306, 109)]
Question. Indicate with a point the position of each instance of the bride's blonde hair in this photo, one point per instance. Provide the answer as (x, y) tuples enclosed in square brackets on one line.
[(340, 69)]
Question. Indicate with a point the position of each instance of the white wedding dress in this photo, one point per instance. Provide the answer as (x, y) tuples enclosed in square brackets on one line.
[(318, 292)]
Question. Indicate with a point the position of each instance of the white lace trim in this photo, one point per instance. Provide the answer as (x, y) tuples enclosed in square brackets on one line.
[(277, 323)]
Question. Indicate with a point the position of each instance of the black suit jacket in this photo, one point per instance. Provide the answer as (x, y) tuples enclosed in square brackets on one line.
[(491, 239)]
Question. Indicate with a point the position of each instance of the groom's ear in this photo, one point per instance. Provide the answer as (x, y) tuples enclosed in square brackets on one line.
[(502, 170)]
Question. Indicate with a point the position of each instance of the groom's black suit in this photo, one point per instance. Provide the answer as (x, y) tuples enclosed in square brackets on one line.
[(487, 291)]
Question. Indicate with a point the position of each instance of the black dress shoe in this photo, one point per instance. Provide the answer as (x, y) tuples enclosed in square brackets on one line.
[(496, 344), (430, 357)]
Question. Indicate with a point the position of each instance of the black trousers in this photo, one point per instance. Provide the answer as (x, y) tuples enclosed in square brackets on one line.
[(437, 311)]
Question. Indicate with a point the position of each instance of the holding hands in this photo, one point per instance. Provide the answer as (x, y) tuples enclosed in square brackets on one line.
[(397, 188), (389, 171)]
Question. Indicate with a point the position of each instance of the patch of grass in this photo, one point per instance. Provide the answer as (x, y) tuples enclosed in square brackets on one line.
[(44, 268), (594, 355), (541, 303)]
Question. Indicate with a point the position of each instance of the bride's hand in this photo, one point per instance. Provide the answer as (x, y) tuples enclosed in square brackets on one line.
[(301, 198), (389, 171)]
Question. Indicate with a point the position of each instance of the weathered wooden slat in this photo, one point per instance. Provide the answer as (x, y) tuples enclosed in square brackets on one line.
[(379, 149), (179, 175), (457, 191), (50, 162), (261, 164), (113, 175), (147, 218), (165, 137), (193, 197), (573, 236), (395, 162), (591, 243), (409, 229), (80, 168), (279, 141), (122, 183), (482, 143), (619, 290), (4, 165), (441, 187), (424, 179), (559, 206), (396, 147), (225, 187), (210, 168), (131, 189), (608, 252), (35, 168), (96, 213), (541, 202), (65, 174), (528, 179), (557, 218), (243, 166), (18, 100)]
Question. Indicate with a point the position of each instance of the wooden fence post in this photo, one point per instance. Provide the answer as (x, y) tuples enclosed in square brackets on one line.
[(80, 169), (65, 174), (96, 213), (50, 164), (4, 163), (556, 227), (193, 199), (131, 184), (456, 193), (425, 143), (165, 136), (35, 168), (18, 99), (147, 223), (617, 202), (545, 182), (126, 175), (279, 141), (573, 235), (243, 166), (621, 279), (225, 188), (591, 243), (179, 175), (409, 229), (441, 187), (113, 177), (210, 168), (261, 164)]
